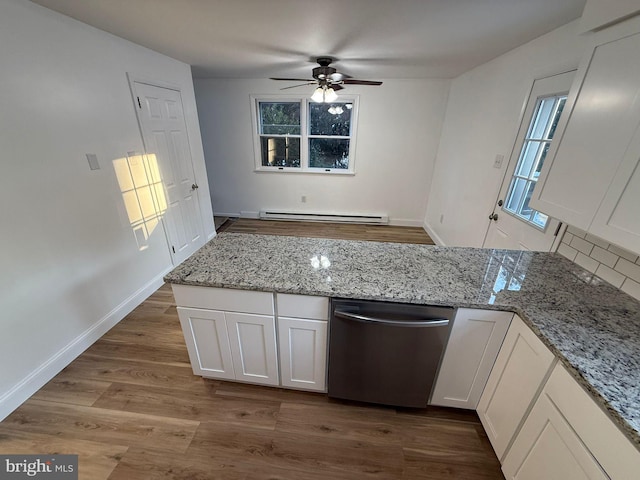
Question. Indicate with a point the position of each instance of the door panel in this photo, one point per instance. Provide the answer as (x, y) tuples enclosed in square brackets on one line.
[(303, 353), (521, 367), (471, 351), (547, 447), (205, 333), (164, 133), (253, 347), (505, 229)]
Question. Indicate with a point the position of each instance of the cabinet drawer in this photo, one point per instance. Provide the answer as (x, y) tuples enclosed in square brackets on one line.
[(226, 299), (303, 306)]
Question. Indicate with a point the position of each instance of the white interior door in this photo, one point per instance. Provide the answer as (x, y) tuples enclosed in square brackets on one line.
[(164, 132), (513, 224)]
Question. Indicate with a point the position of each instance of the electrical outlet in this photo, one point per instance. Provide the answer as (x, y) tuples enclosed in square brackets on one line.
[(92, 158), (303, 199), (497, 163)]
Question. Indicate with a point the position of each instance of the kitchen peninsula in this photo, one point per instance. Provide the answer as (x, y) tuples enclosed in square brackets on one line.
[(591, 327)]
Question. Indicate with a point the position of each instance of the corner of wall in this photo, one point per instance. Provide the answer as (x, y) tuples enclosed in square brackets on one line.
[(21, 392), (432, 233)]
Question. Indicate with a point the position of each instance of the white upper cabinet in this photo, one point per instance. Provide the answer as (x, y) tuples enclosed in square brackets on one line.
[(600, 13), (617, 219), (595, 157)]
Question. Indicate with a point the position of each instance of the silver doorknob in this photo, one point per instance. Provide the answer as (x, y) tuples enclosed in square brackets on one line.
[(194, 186), (494, 217)]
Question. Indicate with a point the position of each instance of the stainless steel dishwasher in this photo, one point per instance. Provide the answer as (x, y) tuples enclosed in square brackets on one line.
[(386, 353)]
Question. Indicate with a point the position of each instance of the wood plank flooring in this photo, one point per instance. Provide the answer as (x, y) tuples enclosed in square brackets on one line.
[(132, 409), (341, 231)]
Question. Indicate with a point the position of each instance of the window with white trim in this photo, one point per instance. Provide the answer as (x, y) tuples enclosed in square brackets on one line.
[(297, 135), (533, 152)]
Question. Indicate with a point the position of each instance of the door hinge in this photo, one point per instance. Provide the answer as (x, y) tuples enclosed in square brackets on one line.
[(139, 103), (173, 249), (558, 229)]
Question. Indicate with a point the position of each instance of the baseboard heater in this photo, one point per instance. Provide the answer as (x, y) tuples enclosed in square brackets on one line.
[(323, 217)]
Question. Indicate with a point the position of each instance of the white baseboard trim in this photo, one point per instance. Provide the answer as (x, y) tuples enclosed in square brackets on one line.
[(403, 222), (21, 392), (230, 215), (398, 222), (432, 233)]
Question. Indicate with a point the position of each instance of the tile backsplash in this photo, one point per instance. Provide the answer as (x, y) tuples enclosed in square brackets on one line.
[(619, 267)]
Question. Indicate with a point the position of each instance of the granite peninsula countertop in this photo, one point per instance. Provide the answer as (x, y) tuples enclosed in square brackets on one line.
[(592, 327)]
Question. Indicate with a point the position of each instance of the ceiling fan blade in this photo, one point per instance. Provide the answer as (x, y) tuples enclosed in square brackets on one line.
[(352, 81), (294, 79), (300, 85), (336, 87)]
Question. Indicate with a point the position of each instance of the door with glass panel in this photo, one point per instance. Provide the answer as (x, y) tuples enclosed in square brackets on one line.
[(513, 223)]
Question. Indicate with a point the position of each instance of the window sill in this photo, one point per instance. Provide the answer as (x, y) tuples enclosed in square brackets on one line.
[(313, 171)]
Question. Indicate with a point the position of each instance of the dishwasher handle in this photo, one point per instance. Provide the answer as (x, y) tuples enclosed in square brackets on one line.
[(435, 322)]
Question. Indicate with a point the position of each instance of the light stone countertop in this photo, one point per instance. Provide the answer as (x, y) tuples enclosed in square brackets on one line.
[(593, 328)]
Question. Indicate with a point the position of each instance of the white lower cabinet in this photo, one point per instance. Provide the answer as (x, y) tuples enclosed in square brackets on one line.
[(253, 347), (568, 436), (517, 376), (231, 345), (548, 448), (230, 334), (302, 341), (205, 333), (303, 353), (474, 342)]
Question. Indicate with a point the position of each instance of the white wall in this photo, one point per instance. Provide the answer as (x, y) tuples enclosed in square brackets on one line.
[(69, 264), (482, 119), (398, 133)]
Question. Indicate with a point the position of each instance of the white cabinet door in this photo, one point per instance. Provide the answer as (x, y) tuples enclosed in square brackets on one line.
[(617, 219), (472, 349), (520, 369), (548, 448), (303, 353), (603, 113), (205, 333), (253, 347)]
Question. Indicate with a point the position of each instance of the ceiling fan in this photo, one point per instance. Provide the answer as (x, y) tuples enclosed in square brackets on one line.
[(328, 79)]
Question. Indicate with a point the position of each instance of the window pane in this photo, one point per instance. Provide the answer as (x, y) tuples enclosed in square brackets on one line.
[(329, 119), (517, 191), (528, 158), (543, 114), (279, 118), (536, 174), (280, 151), (539, 219), (556, 119), (328, 153), (526, 211)]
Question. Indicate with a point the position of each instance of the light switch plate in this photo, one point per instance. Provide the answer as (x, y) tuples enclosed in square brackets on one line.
[(92, 158)]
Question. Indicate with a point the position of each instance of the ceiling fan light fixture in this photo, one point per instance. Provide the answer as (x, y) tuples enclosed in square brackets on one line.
[(330, 95), (324, 94), (318, 95)]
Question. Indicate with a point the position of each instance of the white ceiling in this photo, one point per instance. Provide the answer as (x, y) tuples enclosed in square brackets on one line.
[(370, 38)]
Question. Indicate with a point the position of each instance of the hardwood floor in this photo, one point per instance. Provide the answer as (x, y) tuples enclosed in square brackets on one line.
[(345, 231), (132, 409)]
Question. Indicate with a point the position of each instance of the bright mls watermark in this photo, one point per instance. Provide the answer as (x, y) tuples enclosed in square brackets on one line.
[(50, 467)]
